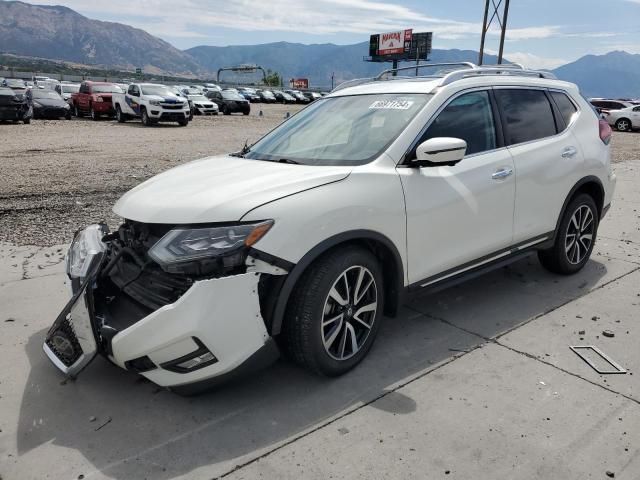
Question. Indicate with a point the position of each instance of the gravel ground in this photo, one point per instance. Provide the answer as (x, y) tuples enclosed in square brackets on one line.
[(58, 175)]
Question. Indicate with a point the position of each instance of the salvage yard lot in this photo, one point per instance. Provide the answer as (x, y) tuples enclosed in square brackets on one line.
[(476, 381), (56, 174)]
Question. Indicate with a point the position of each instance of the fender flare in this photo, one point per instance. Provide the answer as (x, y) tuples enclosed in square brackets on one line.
[(582, 182), (353, 235)]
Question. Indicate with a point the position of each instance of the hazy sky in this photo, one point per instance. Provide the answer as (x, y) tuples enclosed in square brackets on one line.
[(542, 33)]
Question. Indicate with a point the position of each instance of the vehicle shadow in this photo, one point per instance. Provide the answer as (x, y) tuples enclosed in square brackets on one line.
[(141, 431)]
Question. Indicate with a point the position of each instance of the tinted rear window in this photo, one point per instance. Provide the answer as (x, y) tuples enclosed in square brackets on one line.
[(566, 106), (527, 114)]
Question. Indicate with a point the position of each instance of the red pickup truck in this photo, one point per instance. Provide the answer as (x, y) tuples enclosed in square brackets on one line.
[(94, 99)]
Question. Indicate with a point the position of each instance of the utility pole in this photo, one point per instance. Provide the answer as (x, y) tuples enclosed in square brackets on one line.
[(501, 17)]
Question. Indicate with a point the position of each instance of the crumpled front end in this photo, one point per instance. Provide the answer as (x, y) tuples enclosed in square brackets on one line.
[(181, 324)]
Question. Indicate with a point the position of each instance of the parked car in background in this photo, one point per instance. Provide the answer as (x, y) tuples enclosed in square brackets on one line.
[(603, 105), (152, 103), (48, 104), (266, 96), (625, 119), (66, 90), (284, 97), (14, 106), (230, 102), (249, 94), (94, 99), (312, 96), (14, 83), (49, 84), (203, 105), (211, 86), (297, 94)]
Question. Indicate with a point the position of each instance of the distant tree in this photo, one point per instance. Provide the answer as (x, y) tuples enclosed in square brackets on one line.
[(272, 79)]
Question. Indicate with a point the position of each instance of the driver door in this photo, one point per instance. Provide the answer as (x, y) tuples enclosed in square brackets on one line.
[(456, 215)]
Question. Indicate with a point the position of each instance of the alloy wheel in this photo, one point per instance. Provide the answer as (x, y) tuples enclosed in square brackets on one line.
[(579, 235), (349, 313), (622, 125)]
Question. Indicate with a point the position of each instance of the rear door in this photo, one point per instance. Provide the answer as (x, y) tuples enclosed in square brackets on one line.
[(459, 214), (548, 158)]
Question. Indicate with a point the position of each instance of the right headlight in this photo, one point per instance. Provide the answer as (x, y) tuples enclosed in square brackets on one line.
[(85, 247), (184, 245)]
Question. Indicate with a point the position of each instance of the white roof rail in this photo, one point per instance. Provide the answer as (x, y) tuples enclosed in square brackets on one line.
[(501, 70)]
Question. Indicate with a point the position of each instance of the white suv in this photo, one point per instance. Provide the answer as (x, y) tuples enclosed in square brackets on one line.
[(314, 232)]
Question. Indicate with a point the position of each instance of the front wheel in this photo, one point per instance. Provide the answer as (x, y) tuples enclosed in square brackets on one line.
[(76, 111), (146, 121), (334, 314), (575, 237), (95, 116), (119, 115)]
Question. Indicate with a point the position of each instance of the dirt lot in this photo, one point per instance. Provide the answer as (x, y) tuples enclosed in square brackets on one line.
[(56, 176)]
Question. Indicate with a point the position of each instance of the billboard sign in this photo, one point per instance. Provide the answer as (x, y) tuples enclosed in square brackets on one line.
[(299, 83), (394, 42)]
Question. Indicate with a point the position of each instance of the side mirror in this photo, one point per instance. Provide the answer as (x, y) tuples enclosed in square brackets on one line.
[(441, 150)]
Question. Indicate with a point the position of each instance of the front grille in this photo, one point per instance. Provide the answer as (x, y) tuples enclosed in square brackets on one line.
[(171, 106)]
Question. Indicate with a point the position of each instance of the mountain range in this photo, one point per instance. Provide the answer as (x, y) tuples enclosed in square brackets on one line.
[(59, 33)]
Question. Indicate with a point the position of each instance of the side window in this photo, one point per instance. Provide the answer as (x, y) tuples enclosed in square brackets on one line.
[(133, 90), (84, 88), (468, 117), (636, 109), (527, 114), (565, 105)]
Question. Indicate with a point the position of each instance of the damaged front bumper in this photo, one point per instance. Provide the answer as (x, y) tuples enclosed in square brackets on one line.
[(209, 331)]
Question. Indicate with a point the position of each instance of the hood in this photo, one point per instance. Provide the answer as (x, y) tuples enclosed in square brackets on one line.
[(219, 189), (160, 98), (51, 102)]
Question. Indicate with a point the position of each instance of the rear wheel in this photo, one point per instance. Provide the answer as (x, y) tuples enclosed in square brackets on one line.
[(334, 313), (26, 121), (623, 125), (575, 237)]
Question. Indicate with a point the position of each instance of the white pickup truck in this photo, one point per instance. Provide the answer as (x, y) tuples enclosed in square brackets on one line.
[(152, 103)]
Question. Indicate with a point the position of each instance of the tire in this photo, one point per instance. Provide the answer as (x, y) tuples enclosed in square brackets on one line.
[(623, 125), (246, 112), (318, 331), (183, 123), (26, 121), (119, 115), (575, 237), (95, 116), (76, 111), (225, 110), (146, 121), (68, 116)]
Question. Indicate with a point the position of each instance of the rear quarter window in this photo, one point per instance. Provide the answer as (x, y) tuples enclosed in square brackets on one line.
[(565, 105), (527, 115)]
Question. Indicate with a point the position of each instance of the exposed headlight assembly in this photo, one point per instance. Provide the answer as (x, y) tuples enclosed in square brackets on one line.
[(154, 102), (228, 243), (85, 247)]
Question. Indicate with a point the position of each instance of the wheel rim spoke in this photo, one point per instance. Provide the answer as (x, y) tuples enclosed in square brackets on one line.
[(579, 235), (349, 312)]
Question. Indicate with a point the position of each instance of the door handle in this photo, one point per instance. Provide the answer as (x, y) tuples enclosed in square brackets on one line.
[(502, 173), (569, 152)]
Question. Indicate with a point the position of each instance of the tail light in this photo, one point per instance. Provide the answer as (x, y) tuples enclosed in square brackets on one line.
[(605, 132)]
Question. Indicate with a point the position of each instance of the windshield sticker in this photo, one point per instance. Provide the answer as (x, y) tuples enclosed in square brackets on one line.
[(391, 105)]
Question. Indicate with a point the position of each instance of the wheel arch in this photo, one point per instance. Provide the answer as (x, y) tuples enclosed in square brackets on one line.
[(381, 246), (590, 185)]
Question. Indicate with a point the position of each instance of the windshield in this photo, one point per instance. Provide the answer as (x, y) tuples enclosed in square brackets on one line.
[(267, 93), (350, 130), (45, 94), (229, 95), (70, 88), (159, 90), (199, 98), (106, 89), (192, 91)]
